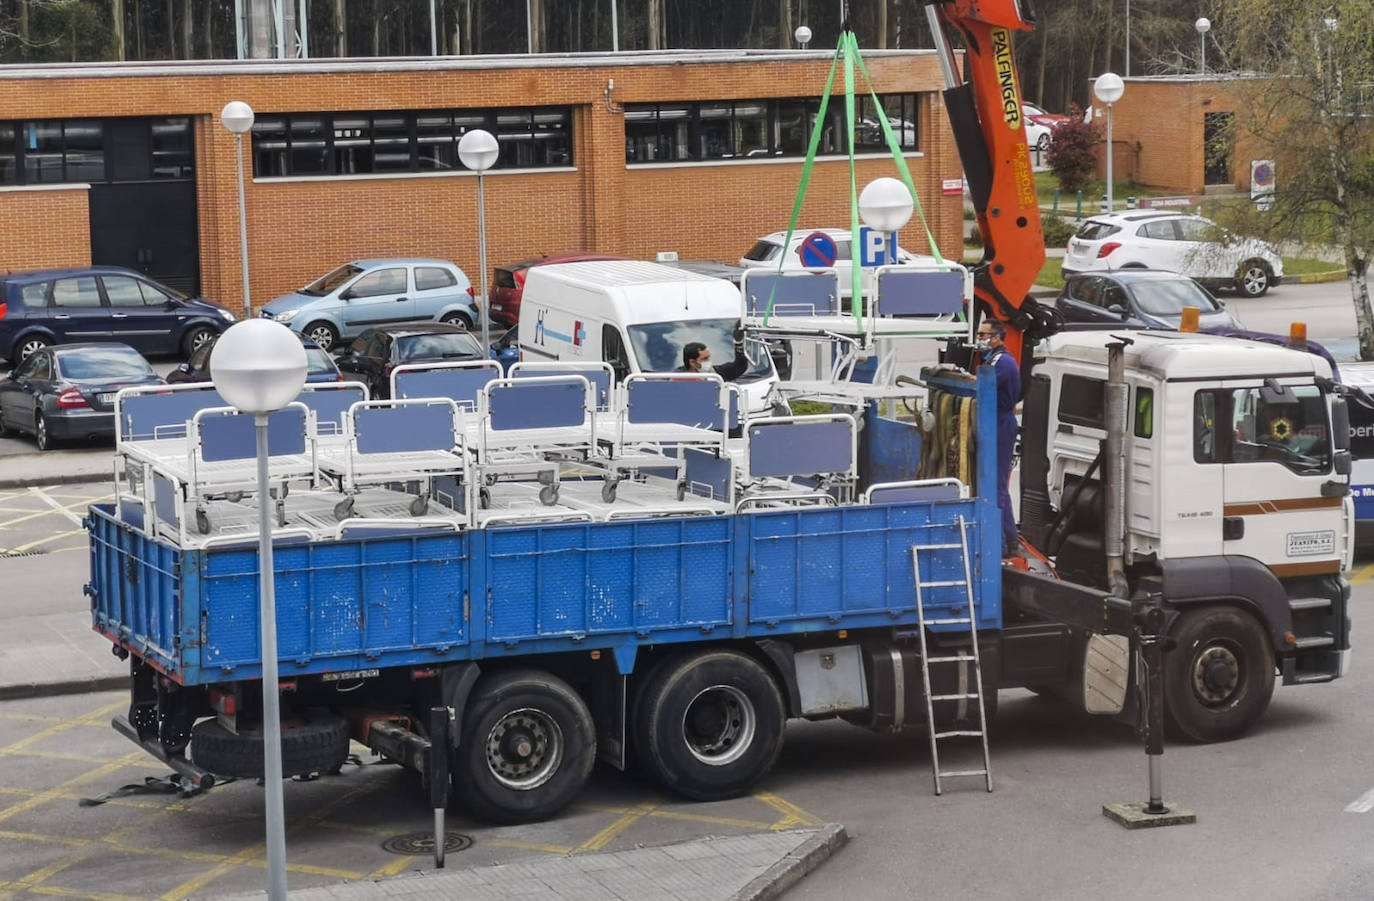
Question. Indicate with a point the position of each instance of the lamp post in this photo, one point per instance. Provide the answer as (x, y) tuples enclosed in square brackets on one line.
[(1108, 88), (259, 366), (803, 35), (1203, 25), (478, 151), (237, 116), (1128, 39)]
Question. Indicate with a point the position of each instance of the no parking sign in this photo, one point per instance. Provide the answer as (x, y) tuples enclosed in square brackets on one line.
[(817, 251), (1262, 183)]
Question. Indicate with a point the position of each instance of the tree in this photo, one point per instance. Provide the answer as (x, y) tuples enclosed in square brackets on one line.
[(1071, 155), (1313, 107)]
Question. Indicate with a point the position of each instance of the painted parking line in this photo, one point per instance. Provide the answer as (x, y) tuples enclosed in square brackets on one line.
[(1363, 804), (611, 832), (792, 815), (1362, 574), (43, 496)]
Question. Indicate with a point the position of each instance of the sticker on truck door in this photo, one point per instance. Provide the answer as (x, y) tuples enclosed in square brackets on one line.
[(1311, 544)]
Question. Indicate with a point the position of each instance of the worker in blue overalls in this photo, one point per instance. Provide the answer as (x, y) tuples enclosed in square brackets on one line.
[(991, 341)]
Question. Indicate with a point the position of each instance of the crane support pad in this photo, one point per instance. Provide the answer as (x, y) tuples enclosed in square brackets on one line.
[(1065, 602)]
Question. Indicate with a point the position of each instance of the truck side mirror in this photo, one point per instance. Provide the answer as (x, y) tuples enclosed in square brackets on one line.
[(1274, 393), (1341, 460)]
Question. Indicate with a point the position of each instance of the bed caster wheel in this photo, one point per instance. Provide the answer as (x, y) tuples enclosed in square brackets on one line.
[(234, 497), (490, 480), (681, 490), (548, 495), (344, 508), (608, 490), (419, 506), (545, 478), (483, 499), (203, 522)]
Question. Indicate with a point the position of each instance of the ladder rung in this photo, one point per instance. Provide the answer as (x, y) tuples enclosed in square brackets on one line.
[(937, 547), (957, 733), (963, 773), (964, 621), (960, 697), (946, 584), (957, 658)]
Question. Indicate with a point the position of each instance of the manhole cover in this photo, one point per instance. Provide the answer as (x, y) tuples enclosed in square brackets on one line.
[(417, 844)]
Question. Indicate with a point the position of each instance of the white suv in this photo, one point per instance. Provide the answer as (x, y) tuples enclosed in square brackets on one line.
[(766, 250), (1190, 245)]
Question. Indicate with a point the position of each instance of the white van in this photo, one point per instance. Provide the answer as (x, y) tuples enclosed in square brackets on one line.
[(637, 316)]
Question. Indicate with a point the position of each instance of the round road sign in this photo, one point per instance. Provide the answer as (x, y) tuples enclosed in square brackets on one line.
[(817, 251)]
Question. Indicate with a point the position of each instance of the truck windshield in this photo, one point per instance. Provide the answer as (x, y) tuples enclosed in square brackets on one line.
[(658, 345)]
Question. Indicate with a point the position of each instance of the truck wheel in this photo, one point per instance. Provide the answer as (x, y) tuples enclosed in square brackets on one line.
[(314, 743), (528, 745), (709, 725), (1219, 676)]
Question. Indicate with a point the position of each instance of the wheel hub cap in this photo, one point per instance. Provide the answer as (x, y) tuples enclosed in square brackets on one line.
[(718, 725), (1216, 675), (524, 749)]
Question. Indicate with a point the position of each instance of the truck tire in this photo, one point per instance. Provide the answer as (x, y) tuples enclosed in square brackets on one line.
[(314, 743), (527, 749), (1219, 677), (709, 725)]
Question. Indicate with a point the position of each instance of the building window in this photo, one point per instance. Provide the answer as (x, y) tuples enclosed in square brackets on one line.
[(366, 143), (750, 129), (57, 151)]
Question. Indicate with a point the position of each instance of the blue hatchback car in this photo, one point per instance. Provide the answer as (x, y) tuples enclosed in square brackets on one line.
[(364, 294), (101, 303)]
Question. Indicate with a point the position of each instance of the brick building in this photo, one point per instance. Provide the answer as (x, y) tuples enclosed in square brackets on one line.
[(1178, 133), (694, 151)]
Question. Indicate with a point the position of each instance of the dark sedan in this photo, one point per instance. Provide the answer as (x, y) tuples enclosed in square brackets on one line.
[(68, 392), (319, 365), (1141, 298), (373, 355)]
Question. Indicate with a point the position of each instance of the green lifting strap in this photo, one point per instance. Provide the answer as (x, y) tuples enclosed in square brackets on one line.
[(848, 49)]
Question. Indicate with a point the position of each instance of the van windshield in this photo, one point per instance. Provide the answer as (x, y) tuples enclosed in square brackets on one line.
[(658, 345)]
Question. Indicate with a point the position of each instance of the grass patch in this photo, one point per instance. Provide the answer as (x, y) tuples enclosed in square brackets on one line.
[(1306, 266), (1050, 275), (808, 408)]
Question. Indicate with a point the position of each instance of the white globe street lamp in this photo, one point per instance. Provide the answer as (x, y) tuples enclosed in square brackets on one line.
[(259, 366), (1203, 25), (237, 117), (478, 150), (803, 35), (1108, 88), (885, 205)]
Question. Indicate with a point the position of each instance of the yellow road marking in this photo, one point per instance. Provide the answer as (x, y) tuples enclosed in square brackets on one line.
[(44, 797), (42, 496), (37, 877), (51, 511), (19, 549), (792, 815), (684, 817), (530, 846), (149, 763), (59, 892), (391, 869), (609, 834), (44, 839), (31, 718), (64, 725), (1363, 574)]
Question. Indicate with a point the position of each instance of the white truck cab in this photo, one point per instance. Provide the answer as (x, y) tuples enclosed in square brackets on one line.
[(1235, 493), (637, 316)]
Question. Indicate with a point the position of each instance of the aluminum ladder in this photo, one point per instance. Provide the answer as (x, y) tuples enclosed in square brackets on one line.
[(960, 659)]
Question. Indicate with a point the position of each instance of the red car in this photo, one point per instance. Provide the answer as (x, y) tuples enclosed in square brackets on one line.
[(1052, 121), (508, 282)]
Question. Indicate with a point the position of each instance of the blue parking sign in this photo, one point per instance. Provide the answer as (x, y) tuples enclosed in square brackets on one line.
[(874, 248)]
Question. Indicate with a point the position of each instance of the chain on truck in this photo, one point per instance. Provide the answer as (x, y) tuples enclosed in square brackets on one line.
[(497, 578)]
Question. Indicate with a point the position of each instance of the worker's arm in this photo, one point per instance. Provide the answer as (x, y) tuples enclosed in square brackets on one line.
[(740, 364)]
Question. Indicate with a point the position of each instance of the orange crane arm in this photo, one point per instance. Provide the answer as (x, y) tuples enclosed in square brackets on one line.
[(989, 129)]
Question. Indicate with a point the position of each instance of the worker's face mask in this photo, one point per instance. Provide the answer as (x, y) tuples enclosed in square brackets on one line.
[(982, 345)]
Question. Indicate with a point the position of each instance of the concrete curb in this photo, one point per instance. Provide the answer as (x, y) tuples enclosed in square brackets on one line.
[(67, 687), (76, 478), (784, 874), (1317, 278)]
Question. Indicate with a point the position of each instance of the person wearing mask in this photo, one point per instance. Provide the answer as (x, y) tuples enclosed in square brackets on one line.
[(696, 357), (991, 341)]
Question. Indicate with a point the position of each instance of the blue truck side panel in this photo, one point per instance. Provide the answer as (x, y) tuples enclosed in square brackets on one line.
[(424, 597)]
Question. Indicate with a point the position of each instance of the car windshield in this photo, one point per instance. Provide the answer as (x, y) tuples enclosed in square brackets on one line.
[(1096, 231), (658, 345), (317, 362), (102, 364), (763, 251), (448, 345), (1169, 298), (331, 282)]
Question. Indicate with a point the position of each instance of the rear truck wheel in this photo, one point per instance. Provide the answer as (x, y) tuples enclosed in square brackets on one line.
[(1219, 676), (528, 745), (316, 742), (1254, 278), (323, 334), (709, 725), (40, 433), (457, 318), (195, 339)]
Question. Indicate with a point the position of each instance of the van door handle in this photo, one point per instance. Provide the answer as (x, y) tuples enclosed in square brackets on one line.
[(402, 299)]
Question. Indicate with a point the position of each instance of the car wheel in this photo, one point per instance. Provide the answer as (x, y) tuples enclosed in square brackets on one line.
[(27, 345), (323, 334), (196, 338), (1253, 278), (40, 433), (1043, 143), (456, 318)]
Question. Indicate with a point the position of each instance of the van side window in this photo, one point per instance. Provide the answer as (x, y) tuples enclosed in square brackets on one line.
[(1144, 412), (613, 352), (1080, 401)]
